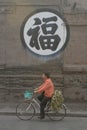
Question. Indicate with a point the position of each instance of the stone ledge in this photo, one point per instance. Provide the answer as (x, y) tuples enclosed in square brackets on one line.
[(75, 69)]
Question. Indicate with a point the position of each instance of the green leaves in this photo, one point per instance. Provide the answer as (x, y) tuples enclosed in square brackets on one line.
[(57, 100)]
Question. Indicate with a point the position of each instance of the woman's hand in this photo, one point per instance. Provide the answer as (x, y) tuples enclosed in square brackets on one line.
[(35, 90)]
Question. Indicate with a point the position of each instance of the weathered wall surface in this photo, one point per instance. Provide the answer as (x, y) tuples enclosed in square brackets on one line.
[(20, 70), (75, 61)]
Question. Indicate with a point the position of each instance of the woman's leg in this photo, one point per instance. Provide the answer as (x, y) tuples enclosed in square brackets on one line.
[(40, 97), (42, 106)]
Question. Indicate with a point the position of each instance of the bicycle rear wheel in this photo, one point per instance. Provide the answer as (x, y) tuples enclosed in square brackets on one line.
[(25, 111), (57, 115)]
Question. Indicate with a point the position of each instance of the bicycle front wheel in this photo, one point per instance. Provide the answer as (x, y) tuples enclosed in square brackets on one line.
[(25, 111), (57, 115)]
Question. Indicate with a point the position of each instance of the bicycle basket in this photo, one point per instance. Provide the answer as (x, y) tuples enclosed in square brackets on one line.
[(27, 95)]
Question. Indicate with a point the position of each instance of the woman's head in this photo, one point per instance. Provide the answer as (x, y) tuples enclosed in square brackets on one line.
[(45, 76)]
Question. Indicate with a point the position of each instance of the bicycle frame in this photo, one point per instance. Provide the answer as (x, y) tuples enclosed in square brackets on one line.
[(33, 104), (34, 101)]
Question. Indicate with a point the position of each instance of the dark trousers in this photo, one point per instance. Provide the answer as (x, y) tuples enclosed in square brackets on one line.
[(43, 101)]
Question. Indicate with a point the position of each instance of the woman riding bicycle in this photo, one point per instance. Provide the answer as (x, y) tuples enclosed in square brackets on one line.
[(46, 90)]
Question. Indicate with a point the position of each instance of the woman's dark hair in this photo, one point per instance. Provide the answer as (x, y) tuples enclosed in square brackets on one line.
[(47, 75)]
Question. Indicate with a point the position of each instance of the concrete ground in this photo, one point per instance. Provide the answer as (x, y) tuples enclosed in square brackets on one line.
[(69, 123)]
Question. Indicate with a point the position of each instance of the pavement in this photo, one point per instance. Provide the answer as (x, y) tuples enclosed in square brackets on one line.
[(74, 109), (69, 123)]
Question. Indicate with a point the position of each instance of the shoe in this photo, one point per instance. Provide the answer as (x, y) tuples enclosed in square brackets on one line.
[(41, 117)]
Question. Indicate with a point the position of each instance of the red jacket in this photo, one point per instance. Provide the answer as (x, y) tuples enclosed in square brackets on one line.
[(47, 87)]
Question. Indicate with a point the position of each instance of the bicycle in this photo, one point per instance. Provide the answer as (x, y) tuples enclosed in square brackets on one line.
[(26, 110)]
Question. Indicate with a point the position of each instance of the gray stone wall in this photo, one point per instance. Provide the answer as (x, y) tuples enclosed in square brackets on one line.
[(75, 83), (20, 70)]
